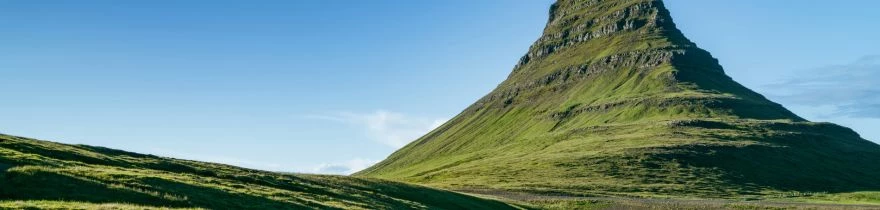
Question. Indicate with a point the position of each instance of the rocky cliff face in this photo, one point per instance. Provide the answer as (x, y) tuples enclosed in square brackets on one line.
[(586, 40), (612, 98), (570, 24)]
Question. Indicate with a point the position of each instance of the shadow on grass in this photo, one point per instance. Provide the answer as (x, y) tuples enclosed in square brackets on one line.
[(800, 158), (228, 188), (42, 185), (433, 198), (109, 157)]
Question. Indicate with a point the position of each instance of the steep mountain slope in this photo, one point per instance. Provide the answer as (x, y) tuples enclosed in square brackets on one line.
[(613, 99), (43, 174)]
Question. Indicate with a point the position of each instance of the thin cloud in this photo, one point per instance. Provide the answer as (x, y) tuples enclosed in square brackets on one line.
[(852, 89), (389, 128), (344, 168)]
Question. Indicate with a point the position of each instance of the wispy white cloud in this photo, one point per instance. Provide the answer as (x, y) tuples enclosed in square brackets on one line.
[(344, 168), (851, 90), (389, 128)]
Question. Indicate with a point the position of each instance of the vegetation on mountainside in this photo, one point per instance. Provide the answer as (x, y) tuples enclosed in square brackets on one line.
[(701, 158), (614, 100), (43, 174)]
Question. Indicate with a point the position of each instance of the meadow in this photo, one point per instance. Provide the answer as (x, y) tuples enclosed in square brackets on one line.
[(42, 174)]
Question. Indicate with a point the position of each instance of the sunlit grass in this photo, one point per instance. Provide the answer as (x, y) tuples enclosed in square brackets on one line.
[(41, 174)]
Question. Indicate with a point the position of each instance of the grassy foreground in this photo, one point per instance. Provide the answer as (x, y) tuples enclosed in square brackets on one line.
[(37, 204), (38, 174), (687, 205), (787, 201), (47, 175)]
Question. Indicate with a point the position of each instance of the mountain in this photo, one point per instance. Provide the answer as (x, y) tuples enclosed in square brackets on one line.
[(613, 99), (41, 174)]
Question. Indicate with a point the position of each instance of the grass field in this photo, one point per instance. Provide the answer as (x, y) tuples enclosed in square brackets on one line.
[(792, 201), (39, 204), (43, 174)]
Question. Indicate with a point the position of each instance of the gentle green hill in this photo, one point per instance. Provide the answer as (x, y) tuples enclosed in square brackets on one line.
[(41, 174), (614, 100)]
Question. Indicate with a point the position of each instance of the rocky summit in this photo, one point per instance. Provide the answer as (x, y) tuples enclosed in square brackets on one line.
[(613, 99)]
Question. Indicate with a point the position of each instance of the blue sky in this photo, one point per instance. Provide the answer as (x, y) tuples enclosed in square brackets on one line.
[(333, 86)]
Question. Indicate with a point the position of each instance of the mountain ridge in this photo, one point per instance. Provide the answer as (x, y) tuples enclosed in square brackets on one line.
[(614, 85)]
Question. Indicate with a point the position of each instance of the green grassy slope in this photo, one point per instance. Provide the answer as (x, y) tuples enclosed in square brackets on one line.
[(65, 205), (614, 100), (43, 174)]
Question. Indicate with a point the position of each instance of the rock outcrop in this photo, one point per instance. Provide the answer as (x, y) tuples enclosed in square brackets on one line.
[(614, 99)]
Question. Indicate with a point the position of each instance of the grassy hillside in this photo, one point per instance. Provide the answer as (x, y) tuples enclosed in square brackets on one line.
[(614, 100), (41, 174)]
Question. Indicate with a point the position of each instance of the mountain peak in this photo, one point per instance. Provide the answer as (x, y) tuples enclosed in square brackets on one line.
[(634, 51), (575, 22), (613, 98)]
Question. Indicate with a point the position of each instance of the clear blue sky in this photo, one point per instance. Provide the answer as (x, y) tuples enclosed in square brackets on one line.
[(332, 86)]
